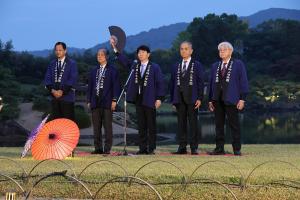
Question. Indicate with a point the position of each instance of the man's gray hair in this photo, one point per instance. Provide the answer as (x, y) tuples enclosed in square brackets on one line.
[(105, 51), (188, 43), (225, 45)]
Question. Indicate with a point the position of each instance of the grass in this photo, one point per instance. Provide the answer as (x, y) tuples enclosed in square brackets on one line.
[(162, 172)]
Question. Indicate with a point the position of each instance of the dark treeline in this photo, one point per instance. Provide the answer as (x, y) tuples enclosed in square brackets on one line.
[(271, 52)]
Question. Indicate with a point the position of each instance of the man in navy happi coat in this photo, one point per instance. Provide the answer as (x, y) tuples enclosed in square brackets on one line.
[(146, 90), (186, 95), (103, 92), (61, 80), (227, 94)]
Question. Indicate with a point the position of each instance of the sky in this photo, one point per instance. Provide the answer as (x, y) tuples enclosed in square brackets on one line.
[(38, 24)]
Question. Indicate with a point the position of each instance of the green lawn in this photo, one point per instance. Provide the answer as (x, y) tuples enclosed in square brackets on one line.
[(165, 177)]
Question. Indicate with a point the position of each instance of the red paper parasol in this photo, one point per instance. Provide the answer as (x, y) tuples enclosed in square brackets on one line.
[(56, 140)]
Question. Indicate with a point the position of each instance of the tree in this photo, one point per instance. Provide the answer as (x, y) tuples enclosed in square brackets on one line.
[(206, 33), (10, 91)]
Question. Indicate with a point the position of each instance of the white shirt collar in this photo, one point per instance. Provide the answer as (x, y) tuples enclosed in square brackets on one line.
[(103, 65), (145, 63), (227, 61), (62, 60), (187, 61)]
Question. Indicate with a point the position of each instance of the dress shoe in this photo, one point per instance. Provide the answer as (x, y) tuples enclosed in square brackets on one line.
[(151, 152), (144, 152), (180, 151), (237, 153), (106, 152), (97, 152), (194, 152), (217, 152)]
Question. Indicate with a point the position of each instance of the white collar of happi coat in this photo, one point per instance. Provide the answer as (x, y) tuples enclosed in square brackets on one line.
[(229, 69), (146, 73), (179, 69), (58, 75)]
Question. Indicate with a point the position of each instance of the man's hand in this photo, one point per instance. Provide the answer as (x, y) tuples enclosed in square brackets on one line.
[(240, 105), (113, 42), (211, 106), (54, 93), (157, 104), (89, 105), (59, 93), (197, 104), (113, 105)]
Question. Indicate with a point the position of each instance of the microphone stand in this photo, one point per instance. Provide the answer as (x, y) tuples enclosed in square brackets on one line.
[(124, 92)]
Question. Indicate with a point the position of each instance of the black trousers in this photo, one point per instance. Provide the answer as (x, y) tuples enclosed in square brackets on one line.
[(62, 109), (187, 114), (101, 116), (231, 112), (146, 118)]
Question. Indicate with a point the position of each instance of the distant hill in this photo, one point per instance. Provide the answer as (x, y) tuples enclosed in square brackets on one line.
[(162, 37), (46, 52), (272, 13), (156, 38)]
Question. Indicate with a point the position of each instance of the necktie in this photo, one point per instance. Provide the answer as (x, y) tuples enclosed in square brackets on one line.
[(59, 66), (184, 68), (142, 69), (223, 70)]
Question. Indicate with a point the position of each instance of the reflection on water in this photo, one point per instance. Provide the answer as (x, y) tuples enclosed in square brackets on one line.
[(270, 128)]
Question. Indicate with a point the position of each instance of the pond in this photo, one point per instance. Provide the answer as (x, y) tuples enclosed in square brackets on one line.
[(256, 127)]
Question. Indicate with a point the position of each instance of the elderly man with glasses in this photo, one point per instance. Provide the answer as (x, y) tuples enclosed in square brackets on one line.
[(227, 93)]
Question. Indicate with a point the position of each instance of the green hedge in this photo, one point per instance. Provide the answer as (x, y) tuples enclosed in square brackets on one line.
[(82, 118)]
